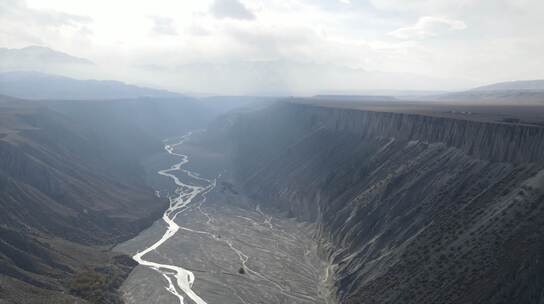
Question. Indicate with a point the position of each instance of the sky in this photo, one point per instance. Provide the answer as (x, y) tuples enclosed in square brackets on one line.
[(296, 47)]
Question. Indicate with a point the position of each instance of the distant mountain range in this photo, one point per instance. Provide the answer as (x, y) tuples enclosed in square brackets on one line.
[(520, 92), (537, 85), (523, 92), (32, 73), (37, 58), (282, 77), (35, 85)]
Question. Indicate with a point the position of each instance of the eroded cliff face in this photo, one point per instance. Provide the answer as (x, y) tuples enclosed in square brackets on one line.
[(410, 209)]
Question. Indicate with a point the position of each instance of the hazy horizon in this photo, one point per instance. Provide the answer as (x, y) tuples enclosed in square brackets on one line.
[(285, 47), (272, 151)]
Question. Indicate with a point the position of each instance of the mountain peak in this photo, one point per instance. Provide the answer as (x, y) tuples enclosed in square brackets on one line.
[(31, 56)]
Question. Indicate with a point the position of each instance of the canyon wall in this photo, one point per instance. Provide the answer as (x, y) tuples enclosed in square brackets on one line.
[(409, 208), (72, 186)]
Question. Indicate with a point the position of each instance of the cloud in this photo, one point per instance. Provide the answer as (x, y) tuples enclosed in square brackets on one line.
[(238, 44), (233, 9), (428, 26), (21, 25), (163, 26), (17, 9)]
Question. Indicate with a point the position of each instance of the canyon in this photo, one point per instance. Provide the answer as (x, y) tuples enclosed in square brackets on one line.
[(71, 187), (408, 208), (272, 152), (290, 201), (401, 207)]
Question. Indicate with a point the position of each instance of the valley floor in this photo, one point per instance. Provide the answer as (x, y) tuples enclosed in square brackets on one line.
[(238, 254)]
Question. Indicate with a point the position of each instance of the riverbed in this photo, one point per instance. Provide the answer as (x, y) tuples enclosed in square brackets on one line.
[(219, 246)]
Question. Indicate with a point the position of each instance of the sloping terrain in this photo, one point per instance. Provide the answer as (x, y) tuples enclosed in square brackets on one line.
[(514, 85), (510, 93), (42, 59), (35, 55), (71, 186), (409, 208), (35, 85)]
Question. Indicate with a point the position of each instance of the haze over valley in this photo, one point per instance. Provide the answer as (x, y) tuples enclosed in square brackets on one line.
[(247, 151)]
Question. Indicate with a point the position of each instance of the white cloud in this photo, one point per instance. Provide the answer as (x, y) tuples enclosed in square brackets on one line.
[(236, 37), (12, 9), (163, 25), (428, 26), (231, 9), (21, 25)]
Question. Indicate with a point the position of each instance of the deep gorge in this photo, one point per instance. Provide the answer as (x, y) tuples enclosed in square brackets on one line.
[(410, 209), (385, 207)]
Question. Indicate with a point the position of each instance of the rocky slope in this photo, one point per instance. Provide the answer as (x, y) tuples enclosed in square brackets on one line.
[(410, 209), (71, 186)]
